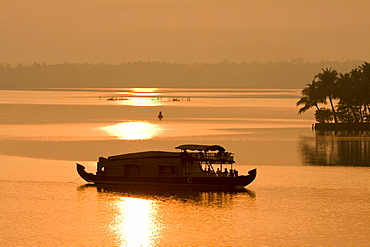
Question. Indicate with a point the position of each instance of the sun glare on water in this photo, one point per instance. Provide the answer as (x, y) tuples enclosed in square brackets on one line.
[(137, 130), (135, 223)]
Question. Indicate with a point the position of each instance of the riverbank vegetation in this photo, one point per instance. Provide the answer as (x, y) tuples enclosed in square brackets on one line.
[(337, 97), (225, 74)]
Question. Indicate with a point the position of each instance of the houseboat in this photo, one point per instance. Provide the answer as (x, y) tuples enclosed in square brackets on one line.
[(207, 166)]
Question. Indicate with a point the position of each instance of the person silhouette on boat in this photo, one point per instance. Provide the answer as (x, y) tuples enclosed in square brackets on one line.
[(160, 116), (231, 173), (226, 172)]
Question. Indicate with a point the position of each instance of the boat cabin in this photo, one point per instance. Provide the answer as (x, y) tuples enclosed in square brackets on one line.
[(191, 161)]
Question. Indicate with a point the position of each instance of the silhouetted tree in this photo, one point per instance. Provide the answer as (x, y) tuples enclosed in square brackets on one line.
[(346, 91), (323, 115), (364, 84), (351, 90), (326, 83), (311, 97)]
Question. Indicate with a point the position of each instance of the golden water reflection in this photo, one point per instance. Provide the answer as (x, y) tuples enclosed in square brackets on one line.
[(138, 101), (142, 97), (133, 130), (136, 222)]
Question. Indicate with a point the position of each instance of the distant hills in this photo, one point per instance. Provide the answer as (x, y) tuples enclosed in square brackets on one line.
[(226, 74)]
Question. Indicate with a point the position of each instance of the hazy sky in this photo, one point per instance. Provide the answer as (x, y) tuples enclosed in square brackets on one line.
[(186, 31)]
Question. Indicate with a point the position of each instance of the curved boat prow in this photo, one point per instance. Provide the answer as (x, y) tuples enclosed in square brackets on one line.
[(253, 173), (86, 176)]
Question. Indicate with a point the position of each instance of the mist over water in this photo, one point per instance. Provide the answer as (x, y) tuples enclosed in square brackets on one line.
[(192, 31), (311, 188)]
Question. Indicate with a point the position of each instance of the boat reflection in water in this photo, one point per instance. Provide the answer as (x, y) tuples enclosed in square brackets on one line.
[(133, 130), (141, 215), (193, 194), (337, 148)]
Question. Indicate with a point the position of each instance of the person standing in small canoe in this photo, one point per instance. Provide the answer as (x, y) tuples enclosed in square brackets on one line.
[(160, 116)]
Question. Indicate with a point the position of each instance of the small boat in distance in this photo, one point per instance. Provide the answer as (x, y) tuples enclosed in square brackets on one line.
[(193, 166)]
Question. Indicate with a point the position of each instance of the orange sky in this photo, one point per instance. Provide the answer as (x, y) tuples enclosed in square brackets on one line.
[(186, 31)]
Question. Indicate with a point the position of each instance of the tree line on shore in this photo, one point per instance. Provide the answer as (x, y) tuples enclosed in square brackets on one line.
[(225, 74), (347, 96)]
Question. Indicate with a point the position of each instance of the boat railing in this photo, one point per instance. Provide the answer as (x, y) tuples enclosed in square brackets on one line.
[(220, 157)]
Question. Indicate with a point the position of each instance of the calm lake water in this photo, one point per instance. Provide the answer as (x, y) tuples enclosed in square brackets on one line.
[(311, 188)]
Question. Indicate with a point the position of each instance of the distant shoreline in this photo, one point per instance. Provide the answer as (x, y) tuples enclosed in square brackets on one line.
[(164, 75)]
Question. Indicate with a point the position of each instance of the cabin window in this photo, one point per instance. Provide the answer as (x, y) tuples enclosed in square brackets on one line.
[(167, 170), (131, 169)]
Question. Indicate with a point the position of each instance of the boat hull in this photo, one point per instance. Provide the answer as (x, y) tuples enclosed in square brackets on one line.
[(205, 182)]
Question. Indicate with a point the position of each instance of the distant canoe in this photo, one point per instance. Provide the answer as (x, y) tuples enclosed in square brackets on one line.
[(115, 99)]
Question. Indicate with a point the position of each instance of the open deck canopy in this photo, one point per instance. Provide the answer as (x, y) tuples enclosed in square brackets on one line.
[(201, 147)]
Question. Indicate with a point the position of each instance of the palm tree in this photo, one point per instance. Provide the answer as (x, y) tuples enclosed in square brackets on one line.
[(326, 84), (352, 91), (365, 89), (347, 90), (311, 97), (365, 69)]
